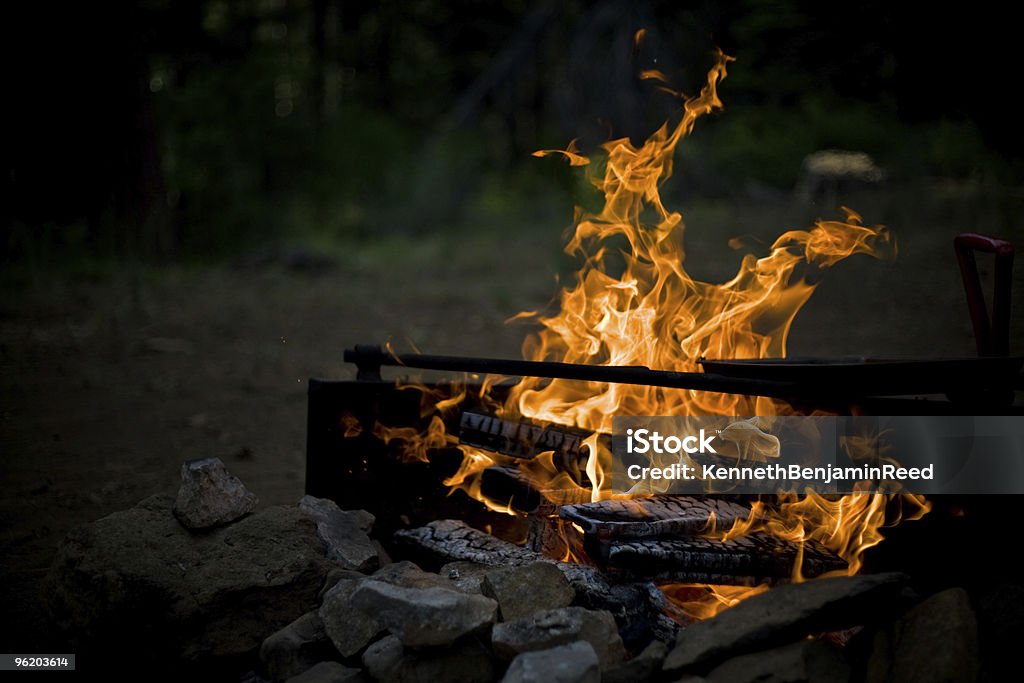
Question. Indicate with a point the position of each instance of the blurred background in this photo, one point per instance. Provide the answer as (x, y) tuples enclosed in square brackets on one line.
[(204, 202), (192, 131)]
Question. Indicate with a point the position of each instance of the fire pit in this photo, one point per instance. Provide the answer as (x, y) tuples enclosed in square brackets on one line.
[(480, 529), (500, 473)]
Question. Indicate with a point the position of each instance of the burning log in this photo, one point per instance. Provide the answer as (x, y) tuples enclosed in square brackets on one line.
[(516, 439), (507, 485), (657, 516), (519, 489), (550, 535), (747, 560), (450, 540)]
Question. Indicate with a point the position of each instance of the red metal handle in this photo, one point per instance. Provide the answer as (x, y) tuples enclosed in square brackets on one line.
[(993, 337)]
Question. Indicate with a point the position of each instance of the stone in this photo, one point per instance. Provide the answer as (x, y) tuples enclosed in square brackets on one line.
[(551, 628), (349, 628), (936, 640), (807, 661), (573, 663), (465, 576), (523, 591), (138, 585), (785, 614), (409, 575), (329, 672), (425, 616), (383, 658), (1000, 611), (467, 662), (352, 627), (335, 575), (296, 647), (643, 667), (210, 495), (344, 533), (323, 509), (449, 540)]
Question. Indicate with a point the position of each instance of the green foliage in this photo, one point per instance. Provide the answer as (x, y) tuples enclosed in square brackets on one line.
[(768, 143), (333, 122)]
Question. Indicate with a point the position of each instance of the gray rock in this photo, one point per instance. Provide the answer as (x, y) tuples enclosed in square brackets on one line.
[(324, 509), (383, 658), (296, 647), (551, 628), (425, 616), (643, 667), (935, 641), (465, 576), (344, 533), (349, 628), (826, 662), (409, 575), (573, 663), (139, 583), (468, 662), (784, 614), (329, 672), (807, 661), (210, 495), (522, 591), (335, 575)]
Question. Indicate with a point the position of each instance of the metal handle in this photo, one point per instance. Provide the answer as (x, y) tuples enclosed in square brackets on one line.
[(992, 336)]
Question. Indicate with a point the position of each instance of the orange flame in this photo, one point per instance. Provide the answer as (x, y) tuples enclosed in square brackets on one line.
[(640, 307), (651, 312), (699, 601)]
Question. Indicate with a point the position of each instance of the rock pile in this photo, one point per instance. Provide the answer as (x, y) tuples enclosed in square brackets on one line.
[(304, 594)]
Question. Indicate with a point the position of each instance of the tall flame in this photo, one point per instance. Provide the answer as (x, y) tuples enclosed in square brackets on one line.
[(650, 312), (639, 306)]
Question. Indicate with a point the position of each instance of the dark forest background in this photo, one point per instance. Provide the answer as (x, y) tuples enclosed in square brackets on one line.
[(194, 130)]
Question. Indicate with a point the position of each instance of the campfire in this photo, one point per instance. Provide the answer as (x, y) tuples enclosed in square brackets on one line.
[(536, 450), (486, 527)]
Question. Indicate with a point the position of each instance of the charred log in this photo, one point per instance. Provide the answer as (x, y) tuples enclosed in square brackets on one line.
[(517, 439), (550, 535), (507, 485), (657, 516), (747, 560), (523, 491), (449, 540)]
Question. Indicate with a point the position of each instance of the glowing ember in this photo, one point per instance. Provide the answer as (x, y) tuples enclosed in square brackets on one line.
[(650, 312)]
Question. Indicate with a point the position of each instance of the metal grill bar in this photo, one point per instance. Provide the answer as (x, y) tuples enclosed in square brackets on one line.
[(369, 359)]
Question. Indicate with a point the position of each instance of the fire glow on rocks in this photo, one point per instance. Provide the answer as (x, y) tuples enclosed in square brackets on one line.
[(651, 313)]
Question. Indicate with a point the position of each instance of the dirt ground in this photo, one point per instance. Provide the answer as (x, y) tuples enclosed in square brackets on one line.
[(107, 386)]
